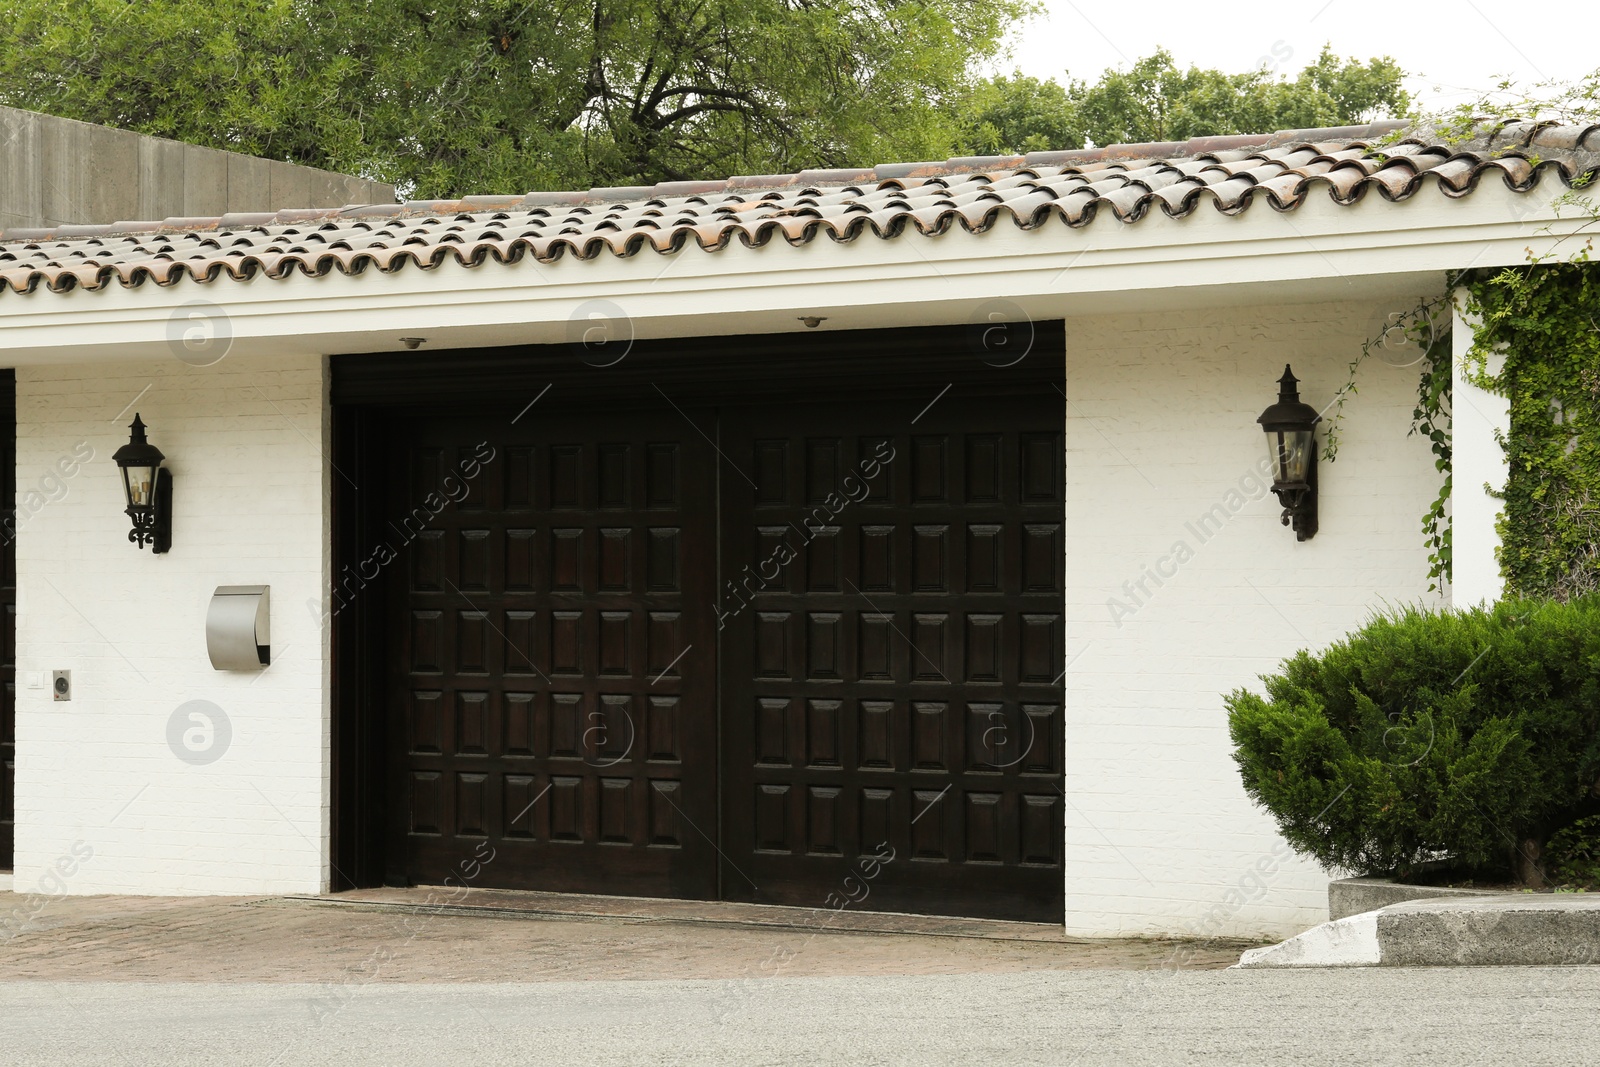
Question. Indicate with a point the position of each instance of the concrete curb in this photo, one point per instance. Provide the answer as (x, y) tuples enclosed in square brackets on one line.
[(1538, 929), (1352, 896)]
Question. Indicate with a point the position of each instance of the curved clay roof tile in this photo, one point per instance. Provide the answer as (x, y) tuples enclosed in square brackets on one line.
[(1077, 207), (1456, 174), (1395, 183), (1130, 202), (1283, 192), (1346, 181)]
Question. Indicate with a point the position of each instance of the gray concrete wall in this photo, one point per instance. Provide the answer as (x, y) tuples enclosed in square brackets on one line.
[(56, 171)]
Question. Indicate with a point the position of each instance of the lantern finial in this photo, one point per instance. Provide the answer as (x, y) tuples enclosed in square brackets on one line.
[(1288, 386)]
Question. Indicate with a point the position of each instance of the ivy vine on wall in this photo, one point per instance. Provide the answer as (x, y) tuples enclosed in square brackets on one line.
[(1544, 319)]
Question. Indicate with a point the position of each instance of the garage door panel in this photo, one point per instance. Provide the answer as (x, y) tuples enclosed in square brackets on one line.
[(427, 802), (555, 712), (521, 714), (427, 562), (520, 477), (664, 730), (891, 657), (426, 722), (665, 812), (472, 723), (523, 564), (518, 793), (427, 641), (471, 653)]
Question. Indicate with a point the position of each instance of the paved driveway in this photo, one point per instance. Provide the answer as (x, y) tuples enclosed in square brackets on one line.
[(196, 939), (129, 982)]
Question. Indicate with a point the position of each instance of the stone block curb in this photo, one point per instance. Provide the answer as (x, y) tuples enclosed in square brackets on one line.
[(1353, 896), (1527, 929)]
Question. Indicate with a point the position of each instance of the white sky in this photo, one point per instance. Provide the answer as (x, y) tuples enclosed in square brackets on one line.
[(1448, 47)]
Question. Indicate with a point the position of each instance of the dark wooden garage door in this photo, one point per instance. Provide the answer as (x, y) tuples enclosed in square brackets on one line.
[(552, 707), (733, 644), (891, 681)]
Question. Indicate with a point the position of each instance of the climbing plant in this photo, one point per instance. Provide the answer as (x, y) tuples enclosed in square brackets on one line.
[(1431, 418), (1543, 318), (1537, 343), (1541, 323)]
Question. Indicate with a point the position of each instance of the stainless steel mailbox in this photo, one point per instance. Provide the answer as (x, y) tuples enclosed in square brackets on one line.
[(237, 634)]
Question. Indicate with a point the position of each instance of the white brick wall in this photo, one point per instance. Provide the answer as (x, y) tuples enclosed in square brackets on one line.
[(245, 440), (1160, 426), (1478, 463)]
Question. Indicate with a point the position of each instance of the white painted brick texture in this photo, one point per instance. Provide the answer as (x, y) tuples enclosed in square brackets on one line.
[(245, 440), (1160, 426)]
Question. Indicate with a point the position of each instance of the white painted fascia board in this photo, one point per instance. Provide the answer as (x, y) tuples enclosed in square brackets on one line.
[(1052, 271)]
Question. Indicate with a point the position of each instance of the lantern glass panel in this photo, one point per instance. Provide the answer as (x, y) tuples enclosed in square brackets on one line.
[(139, 483), (1291, 453)]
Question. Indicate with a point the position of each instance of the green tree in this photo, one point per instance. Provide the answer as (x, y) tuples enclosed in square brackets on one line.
[(1019, 114), (1154, 100), (447, 97)]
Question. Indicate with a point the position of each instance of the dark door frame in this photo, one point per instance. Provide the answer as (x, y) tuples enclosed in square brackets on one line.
[(372, 392), (354, 608)]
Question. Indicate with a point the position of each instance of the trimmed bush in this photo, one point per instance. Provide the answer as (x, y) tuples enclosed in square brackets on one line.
[(1468, 737), (1574, 854)]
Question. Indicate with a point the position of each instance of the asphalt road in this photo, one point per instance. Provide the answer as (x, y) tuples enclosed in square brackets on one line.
[(1525, 1016)]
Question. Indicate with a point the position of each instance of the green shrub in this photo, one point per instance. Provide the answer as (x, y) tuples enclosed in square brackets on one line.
[(1573, 857), (1463, 736)]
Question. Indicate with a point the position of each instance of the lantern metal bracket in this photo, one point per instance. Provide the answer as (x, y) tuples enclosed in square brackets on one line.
[(153, 526), (1300, 502)]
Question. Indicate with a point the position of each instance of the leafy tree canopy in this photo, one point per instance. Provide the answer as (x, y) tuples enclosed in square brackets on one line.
[(1156, 101), (445, 97)]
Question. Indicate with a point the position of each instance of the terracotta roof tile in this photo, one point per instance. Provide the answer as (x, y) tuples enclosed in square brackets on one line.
[(1127, 182)]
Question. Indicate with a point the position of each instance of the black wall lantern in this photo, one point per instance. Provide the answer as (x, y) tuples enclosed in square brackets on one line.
[(1291, 429), (148, 488)]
